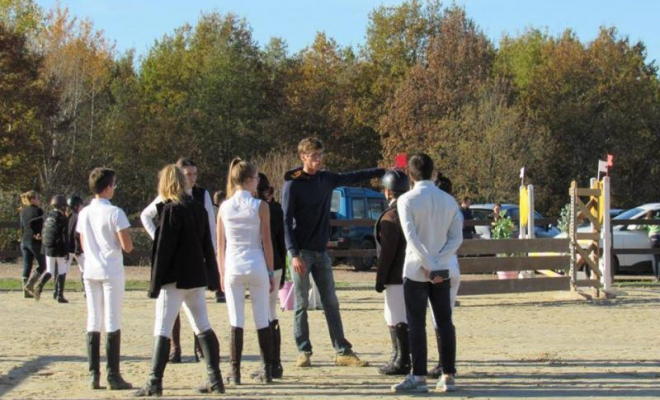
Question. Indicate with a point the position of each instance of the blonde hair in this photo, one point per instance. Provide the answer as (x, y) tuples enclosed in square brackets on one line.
[(28, 196), (239, 172), (171, 184), (310, 145)]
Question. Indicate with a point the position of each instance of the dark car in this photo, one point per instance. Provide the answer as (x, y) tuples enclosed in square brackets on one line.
[(482, 212), (351, 203)]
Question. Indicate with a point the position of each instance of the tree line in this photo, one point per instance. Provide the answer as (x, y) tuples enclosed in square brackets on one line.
[(426, 78)]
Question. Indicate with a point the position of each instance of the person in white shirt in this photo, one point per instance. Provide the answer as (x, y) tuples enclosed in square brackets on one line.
[(148, 217), (433, 227), (245, 260), (103, 230)]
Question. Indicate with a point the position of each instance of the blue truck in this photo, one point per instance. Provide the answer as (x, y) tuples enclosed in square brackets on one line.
[(349, 203)]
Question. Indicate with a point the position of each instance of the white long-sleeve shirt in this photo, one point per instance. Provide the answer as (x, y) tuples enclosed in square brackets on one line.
[(433, 227), (150, 213)]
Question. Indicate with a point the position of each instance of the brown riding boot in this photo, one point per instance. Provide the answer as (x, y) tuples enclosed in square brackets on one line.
[(175, 352)]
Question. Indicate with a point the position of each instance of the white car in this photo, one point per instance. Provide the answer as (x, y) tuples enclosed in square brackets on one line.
[(629, 237)]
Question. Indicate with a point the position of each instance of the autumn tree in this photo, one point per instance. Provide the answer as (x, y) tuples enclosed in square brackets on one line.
[(27, 105), (458, 61), (77, 59)]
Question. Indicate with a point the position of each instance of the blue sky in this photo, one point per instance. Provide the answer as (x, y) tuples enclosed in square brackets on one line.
[(137, 23)]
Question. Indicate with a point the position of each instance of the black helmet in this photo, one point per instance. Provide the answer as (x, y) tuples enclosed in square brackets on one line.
[(396, 181), (74, 202), (58, 201), (263, 184)]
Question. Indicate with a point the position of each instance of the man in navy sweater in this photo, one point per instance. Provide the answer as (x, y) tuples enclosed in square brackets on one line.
[(306, 199)]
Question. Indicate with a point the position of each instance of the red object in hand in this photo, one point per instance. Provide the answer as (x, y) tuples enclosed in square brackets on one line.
[(401, 161)]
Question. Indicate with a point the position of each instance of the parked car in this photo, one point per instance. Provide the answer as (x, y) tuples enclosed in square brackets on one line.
[(614, 212), (349, 203), (483, 212), (628, 237)]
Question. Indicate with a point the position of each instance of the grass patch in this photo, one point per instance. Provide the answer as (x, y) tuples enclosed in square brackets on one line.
[(637, 284), (75, 285), (16, 284)]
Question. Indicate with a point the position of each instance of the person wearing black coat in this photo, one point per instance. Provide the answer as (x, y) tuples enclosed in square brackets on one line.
[(55, 248), (75, 204), (183, 266), (265, 191), (31, 222), (391, 253)]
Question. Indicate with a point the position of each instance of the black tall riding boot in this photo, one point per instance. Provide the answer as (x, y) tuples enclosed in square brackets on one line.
[(56, 287), (40, 286), (197, 349), (175, 353), (436, 372), (26, 292), (390, 368), (94, 359), (61, 281), (113, 353), (154, 386), (277, 370), (265, 336), (208, 341), (402, 362), (235, 354)]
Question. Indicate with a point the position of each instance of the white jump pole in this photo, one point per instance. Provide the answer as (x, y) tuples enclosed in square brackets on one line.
[(606, 236)]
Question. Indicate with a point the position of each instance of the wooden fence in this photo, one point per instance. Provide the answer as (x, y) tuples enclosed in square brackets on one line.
[(478, 256)]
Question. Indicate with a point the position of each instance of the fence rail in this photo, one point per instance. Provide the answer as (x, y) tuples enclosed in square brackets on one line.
[(469, 247)]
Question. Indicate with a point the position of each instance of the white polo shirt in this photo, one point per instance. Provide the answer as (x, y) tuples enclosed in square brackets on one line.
[(99, 224)]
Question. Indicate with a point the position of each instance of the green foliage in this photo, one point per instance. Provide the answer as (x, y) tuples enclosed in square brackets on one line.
[(9, 211), (426, 79), (22, 16), (564, 218), (503, 227)]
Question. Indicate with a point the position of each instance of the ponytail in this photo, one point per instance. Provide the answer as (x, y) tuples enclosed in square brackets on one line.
[(239, 172)]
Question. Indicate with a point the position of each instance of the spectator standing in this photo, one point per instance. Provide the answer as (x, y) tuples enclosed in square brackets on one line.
[(432, 225), (31, 223)]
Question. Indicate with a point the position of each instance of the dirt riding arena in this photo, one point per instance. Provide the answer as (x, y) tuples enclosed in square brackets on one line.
[(509, 346)]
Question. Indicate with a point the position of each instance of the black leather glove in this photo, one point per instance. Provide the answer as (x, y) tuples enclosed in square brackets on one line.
[(380, 287)]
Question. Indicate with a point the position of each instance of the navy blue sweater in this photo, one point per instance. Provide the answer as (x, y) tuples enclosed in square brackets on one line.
[(306, 200)]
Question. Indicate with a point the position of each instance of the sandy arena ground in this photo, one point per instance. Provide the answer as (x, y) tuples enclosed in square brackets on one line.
[(545, 345)]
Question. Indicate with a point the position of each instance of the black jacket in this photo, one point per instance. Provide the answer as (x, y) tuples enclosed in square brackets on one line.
[(73, 237), (277, 236), (54, 235), (182, 251), (32, 222), (306, 200), (390, 247)]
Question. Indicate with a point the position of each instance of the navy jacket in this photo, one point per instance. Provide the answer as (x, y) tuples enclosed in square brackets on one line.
[(306, 200)]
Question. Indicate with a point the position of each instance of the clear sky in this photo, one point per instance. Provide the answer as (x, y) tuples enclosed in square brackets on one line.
[(137, 23)]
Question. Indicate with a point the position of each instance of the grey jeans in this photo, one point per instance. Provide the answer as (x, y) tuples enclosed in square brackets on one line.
[(319, 265)]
